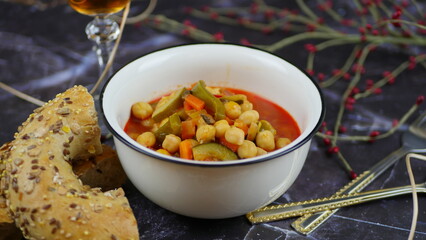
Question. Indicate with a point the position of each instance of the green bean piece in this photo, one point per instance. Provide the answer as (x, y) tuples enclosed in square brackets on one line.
[(265, 125), (213, 103)]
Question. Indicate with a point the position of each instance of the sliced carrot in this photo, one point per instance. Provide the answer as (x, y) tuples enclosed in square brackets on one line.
[(241, 125), (188, 129), (230, 121), (233, 147), (195, 102), (186, 106), (185, 149)]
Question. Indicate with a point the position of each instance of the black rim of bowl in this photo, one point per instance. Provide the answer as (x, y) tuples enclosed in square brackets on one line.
[(177, 160)]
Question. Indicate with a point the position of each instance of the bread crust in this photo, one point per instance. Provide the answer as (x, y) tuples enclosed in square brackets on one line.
[(103, 171), (44, 197), (8, 229)]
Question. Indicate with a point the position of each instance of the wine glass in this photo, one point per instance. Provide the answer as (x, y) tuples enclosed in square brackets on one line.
[(102, 30)]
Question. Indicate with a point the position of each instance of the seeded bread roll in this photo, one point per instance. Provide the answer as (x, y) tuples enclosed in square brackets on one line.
[(103, 171), (45, 198)]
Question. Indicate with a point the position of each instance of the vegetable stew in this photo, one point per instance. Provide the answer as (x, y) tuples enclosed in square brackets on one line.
[(211, 124)]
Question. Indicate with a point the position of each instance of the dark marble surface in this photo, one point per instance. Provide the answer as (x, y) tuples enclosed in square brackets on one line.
[(45, 52)]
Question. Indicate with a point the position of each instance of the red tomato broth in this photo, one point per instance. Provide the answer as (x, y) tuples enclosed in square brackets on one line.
[(279, 118)]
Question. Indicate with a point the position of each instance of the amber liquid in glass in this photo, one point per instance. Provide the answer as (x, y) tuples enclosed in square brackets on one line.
[(97, 7)]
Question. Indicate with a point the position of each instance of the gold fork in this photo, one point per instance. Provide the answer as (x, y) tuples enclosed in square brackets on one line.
[(413, 140), (287, 210)]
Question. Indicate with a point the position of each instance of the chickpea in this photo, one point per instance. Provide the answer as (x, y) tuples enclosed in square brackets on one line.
[(221, 127), (247, 150), (249, 116), (260, 151), (146, 139), (246, 105), (282, 142), (205, 133), (142, 110), (232, 109), (193, 142), (234, 135), (155, 127), (265, 140), (171, 143), (148, 123), (200, 122), (163, 151)]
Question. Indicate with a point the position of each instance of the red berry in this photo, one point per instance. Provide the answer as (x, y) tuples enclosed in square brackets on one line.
[(214, 15), (186, 32), (218, 36), (353, 174), (373, 135), (266, 30), (350, 100), (349, 107), (269, 14), (395, 122), (245, 42), (420, 99), (310, 47), (327, 141), (397, 14), (334, 149), (378, 91), (320, 76), (311, 72), (368, 26), (355, 90)]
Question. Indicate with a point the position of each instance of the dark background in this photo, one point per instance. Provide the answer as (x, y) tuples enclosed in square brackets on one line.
[(44, 52)]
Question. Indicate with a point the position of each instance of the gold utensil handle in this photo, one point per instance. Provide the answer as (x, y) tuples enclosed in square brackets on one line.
[(310, 222), (281, 211)]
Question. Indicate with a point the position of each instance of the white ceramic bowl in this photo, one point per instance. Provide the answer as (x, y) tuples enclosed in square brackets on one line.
[(212, 189)]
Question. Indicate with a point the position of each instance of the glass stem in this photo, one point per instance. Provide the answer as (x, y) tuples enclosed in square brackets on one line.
[(103, 31)]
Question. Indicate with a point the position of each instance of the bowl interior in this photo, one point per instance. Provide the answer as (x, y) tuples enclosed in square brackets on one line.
[(253, 70)]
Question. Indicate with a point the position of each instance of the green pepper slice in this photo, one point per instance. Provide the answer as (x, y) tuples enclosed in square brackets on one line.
[(166, 109), (172, 126), (212, 152), (265, 125), (213, 104), (238, 98)]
